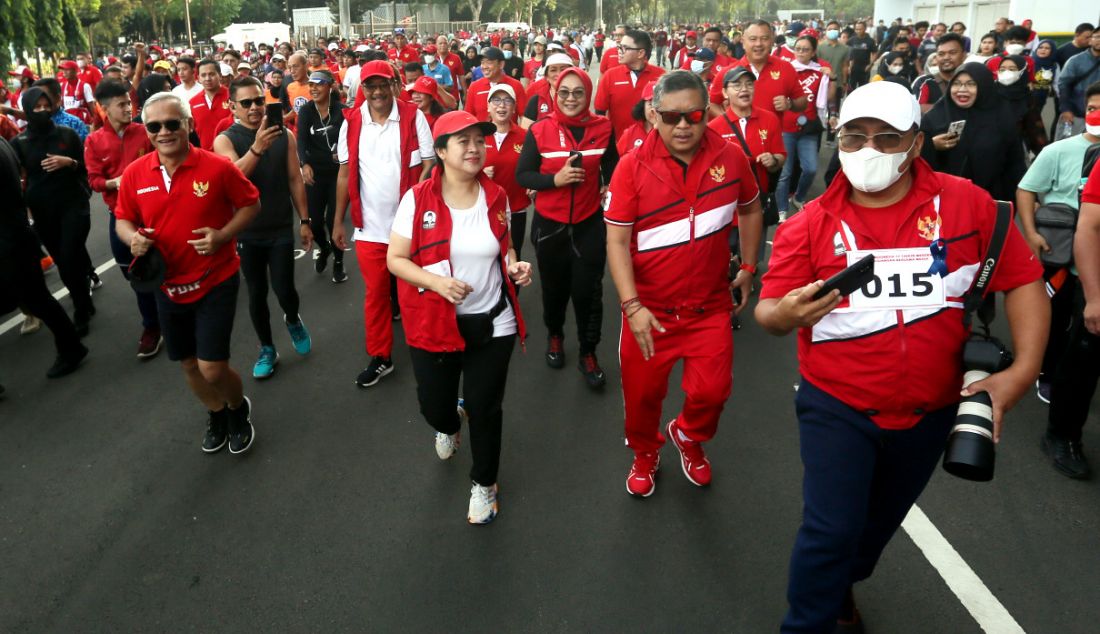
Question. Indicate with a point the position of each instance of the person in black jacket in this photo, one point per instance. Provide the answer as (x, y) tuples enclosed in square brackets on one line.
[(21, 279), (989, 151), (319, 124), (52, 158)]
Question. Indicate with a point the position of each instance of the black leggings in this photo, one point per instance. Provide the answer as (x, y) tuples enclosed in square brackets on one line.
[(486, 372), (321, 198), (64, 233), (519, 230), (257, 258), (571, 260), (22, 280)]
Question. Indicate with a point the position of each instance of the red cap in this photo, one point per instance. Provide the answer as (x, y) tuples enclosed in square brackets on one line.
[(457, 121), (809, 32), (691, 34), (426, 85), (68, 65), (112, 60), (647, 91), (375, 68), (430, 49)]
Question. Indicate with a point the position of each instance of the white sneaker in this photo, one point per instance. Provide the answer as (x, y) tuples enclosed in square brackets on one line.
[(30, 325), (782, 217), (447, 445), (483, 504)]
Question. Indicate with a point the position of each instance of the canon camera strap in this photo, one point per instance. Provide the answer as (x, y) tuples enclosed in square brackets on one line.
[(974, 302)]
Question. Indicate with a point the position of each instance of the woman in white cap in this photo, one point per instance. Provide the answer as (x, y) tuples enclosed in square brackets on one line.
[(502, 150), (451, 248), (540, 103)]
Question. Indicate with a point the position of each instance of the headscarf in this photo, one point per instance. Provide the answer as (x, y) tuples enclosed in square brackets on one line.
[(585, 118), (469, 63), (1017, 93), (1050, 62), (987, 91), (151, 85), (38, 123)]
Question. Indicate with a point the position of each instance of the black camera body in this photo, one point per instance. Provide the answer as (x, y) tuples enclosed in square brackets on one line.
[(970, 452)]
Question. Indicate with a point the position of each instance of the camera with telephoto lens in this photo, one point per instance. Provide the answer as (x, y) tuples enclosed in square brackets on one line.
[(970, 452)]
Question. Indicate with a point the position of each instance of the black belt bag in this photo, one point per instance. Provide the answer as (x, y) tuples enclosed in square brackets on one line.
[(1056, 223), (477, 328)]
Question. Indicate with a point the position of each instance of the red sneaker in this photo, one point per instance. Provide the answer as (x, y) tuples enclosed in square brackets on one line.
[(46, 263), (692, 459), (149, 344), (641, 481)]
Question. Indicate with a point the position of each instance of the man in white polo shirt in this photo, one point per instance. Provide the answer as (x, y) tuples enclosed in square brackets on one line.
[(397, 153)]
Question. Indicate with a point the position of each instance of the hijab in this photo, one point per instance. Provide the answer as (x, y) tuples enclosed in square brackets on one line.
[(469, 63), (38, 123), (585, 118), (1017, 93), (1050, 62)]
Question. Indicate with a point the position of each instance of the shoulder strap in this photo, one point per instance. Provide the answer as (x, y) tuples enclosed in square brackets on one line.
[(974, 301), (744, 144)]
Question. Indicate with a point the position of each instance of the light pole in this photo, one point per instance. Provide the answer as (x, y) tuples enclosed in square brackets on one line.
[(187, 15)]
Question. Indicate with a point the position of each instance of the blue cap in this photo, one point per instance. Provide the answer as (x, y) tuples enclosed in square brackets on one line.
[(704, 54)]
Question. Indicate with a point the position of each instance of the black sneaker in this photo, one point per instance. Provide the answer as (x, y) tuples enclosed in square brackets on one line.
[(321, 263), (241, 432), (338, 274), (555, 352), (1067, 456), (66, 363), (217, 433), (590, 368), (82, 324), (1042, 390), (378, 368)]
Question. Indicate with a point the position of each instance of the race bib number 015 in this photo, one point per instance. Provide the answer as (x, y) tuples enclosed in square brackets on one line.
[(901, 281)]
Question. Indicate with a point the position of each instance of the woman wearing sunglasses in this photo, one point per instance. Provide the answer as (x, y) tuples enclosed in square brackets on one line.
[(567, 159)]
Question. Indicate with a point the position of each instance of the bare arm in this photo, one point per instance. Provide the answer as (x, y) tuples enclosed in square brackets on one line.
[(338, 233), (298, 191), (1086, 246), (1026, 204)]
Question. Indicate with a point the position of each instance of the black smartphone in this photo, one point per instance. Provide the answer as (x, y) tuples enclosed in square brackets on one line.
[(274, 113), (850, 279), (574, 159)]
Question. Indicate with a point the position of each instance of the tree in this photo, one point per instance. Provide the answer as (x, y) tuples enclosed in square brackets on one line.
[(49, 26), (72, 28)]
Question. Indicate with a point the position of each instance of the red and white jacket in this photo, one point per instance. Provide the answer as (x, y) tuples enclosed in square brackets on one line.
[(406, 113), (431, 322), (680, 241), (573, 203), (893, 365)]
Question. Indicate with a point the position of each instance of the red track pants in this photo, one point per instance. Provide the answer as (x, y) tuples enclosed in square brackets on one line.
[(705, 343), (377, 315)]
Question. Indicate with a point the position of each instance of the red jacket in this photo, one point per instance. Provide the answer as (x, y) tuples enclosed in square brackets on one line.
[(893, 365), (680, 242), (406, 113), (573, 203), (106, 155), (207, 117), (631, 138), (430, 320), (504, 159)]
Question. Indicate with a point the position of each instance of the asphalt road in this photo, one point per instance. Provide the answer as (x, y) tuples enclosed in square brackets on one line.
[(341, 518)]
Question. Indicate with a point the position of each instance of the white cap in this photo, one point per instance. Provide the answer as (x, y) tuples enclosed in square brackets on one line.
[(558, 58), (362, 48), (495, 88), (332, 46), (886, 101), (277, 56)]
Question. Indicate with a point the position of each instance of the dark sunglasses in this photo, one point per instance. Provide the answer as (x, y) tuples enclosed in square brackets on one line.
[(673, 117), (154, 127), (248, 103)]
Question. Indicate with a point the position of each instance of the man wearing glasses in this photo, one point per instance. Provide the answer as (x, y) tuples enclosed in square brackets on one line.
[(777, 87), (384, 148), (189, 205), (477, 97), (881, 373), (671, 207), (611, 57), (621, 88)]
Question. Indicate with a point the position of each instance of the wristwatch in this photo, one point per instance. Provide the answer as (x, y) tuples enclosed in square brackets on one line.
[(304, 221)]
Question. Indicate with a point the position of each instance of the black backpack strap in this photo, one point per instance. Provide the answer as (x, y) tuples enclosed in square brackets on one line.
[(975, 299), (736, 129)]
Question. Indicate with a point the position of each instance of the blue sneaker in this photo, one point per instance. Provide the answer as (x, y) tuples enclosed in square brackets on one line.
[(300, 336), (265, 365)]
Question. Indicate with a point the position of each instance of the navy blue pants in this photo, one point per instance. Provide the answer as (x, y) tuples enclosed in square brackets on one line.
[(858, 484), (147, 302)]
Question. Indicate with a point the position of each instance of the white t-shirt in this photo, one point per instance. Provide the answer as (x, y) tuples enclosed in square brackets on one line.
[(474, 254), (380, 165), (351, 82), (185, 93)]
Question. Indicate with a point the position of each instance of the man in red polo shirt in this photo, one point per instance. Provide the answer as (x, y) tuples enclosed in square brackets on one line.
[(107, 153), (881, 373), (743, 124), (621, 88), (189, 204), (671, 206), (611, 53), (211, 106), (402, 51), (777, 87), (477, 97), (89, 74)]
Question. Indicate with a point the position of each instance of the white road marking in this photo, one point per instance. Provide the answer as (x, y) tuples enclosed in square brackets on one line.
[(960, 578), (62, 292)]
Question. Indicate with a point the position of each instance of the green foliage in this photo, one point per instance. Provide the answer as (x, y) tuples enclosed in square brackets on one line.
[(49, 26), (72, 28)]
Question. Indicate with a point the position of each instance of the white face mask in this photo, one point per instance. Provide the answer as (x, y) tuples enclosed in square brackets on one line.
[(429, 59), (1094, 130), (933, 70), (81, 63), (869, 170), (1014, 49), (894, 70), (832, 34), (698, 67), (507, 54), (1008, 77)]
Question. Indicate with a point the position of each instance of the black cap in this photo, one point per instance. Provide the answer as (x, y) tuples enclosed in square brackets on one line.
[(147, 272), (493, 53), (735, 73)]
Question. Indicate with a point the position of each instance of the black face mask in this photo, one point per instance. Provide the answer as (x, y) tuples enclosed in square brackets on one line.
[(39, 121)]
